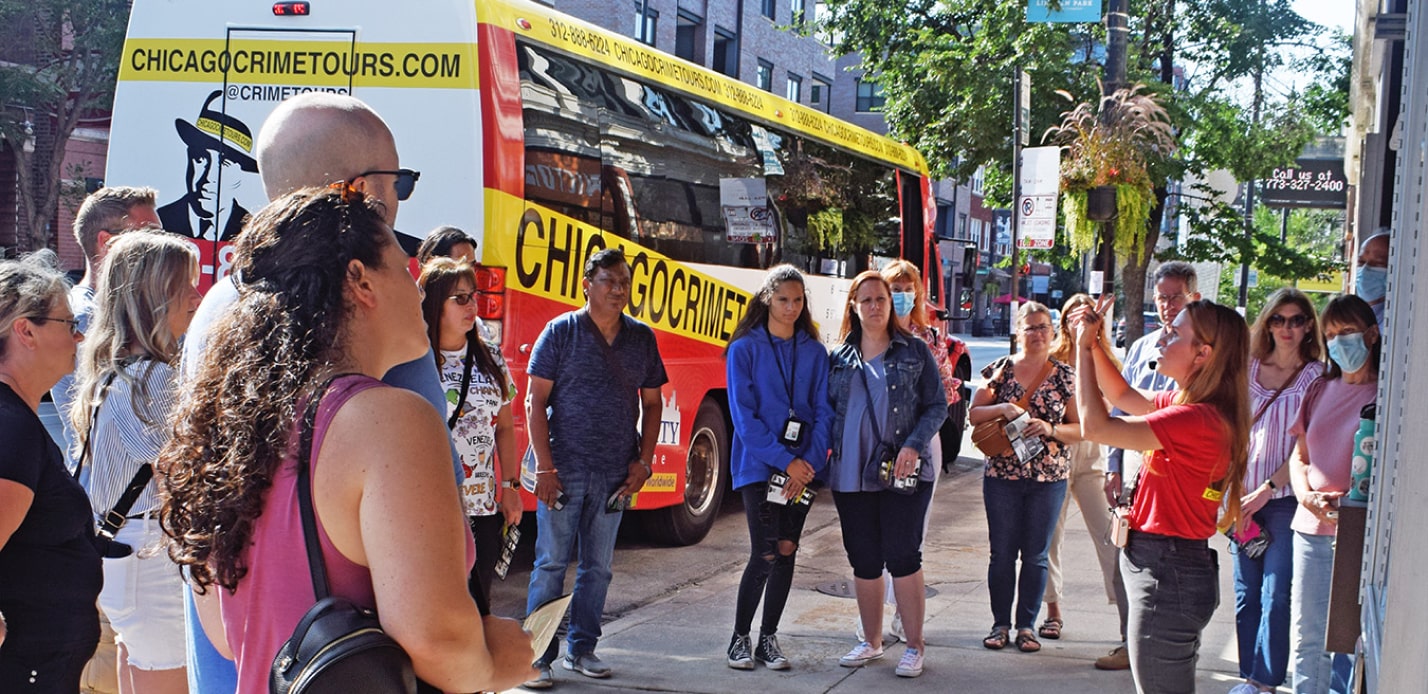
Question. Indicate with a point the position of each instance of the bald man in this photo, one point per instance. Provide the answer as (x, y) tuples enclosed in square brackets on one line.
[(1371, 272), (313, 139)]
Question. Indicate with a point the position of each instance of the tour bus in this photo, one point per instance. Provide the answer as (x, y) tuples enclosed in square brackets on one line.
[(547, 139)]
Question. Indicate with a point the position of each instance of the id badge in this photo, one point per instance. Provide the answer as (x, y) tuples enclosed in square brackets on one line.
[(794, 431)]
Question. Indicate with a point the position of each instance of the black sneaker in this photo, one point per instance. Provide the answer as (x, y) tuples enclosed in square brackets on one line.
[(769, 653), (739, 657)]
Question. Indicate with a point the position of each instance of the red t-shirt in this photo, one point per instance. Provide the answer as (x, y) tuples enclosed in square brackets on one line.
[(1173, 497)]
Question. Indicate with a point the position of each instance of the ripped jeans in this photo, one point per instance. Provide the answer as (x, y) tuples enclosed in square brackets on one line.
[(769, 573)]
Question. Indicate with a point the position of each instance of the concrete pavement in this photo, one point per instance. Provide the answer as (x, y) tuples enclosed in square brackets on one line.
[(676, 642)]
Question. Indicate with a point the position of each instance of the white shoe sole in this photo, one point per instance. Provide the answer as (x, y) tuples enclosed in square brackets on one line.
[(775, 664), (860, 662)]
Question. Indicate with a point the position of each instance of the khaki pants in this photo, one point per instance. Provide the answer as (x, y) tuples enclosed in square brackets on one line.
[(101, 674), (1086, 483)]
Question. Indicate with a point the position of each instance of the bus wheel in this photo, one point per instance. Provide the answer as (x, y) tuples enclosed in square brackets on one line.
[(706, 476)]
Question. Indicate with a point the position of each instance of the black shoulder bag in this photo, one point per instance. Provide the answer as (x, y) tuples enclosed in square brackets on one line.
[(338, 647), (878, 470)]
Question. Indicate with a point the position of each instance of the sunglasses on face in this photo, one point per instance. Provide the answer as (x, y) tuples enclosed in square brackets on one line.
[(1296, 321), (462, 299), (406, 180)]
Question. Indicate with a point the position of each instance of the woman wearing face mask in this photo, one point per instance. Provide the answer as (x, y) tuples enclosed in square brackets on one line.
[(1023, 493), (1284, 360), (1320, 473)]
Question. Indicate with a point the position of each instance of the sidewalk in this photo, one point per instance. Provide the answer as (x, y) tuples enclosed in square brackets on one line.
[(677, 643)]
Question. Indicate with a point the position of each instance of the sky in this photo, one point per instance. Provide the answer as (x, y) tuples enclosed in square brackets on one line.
[(1335, 13)]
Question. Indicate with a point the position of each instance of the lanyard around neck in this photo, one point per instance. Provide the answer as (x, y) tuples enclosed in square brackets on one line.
[(786, 378)]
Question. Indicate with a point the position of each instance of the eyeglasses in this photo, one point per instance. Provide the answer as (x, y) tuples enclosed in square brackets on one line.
[(406, 180), (1170, 298), (1037, 328), (71, 322), (462, 299), (1298, 320)]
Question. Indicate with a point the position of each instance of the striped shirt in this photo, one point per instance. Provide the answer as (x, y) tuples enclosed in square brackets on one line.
[(1269, 441), (121, 441)]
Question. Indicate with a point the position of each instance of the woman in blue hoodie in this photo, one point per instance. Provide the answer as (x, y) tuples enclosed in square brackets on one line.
[(778, 400)]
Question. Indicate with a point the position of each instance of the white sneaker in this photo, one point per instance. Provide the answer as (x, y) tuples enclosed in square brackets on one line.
[(889, 639), (1244, 688), (861, 655), (897, 633), (911, 663)]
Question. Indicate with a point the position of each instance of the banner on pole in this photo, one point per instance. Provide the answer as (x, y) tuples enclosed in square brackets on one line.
[(1071, 11)]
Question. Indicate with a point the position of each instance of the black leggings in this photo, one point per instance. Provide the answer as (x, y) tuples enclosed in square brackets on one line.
[(487, 532), (769, 573)]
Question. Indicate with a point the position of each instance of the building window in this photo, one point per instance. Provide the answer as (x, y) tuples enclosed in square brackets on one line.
[(726, 52), (689, 37), (764, 78), (820, 93), (794, 89), (979, 179), (646, 20), (799, 12), (768, 8), (870, 96)]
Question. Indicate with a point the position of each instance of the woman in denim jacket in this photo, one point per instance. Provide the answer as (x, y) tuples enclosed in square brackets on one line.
[(883, 382)]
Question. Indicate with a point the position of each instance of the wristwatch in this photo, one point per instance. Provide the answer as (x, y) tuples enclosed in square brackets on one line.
[(511, 484), (1272, 485)]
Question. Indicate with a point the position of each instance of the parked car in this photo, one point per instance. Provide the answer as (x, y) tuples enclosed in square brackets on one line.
[(1152, 323)]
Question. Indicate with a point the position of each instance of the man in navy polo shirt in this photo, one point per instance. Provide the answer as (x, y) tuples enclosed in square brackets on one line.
[(592, 373)]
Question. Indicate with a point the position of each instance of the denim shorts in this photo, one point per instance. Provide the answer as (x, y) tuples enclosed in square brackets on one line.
[(143, 599)]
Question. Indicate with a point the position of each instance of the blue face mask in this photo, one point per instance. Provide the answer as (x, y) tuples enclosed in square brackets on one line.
[(1371, 283), (1349, 352), (903, 303)]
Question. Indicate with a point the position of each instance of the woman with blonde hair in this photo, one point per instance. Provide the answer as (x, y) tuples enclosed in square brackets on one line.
[(124, 392), (49, 566), (1285, 359), (1197, 437), (1023, 490), (325, 307), (887, 405), (1085, 483)]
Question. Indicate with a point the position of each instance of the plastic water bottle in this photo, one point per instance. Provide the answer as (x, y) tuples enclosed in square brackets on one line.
[(1363, 454)]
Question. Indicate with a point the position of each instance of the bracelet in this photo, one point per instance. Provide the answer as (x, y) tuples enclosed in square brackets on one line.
[(551, 471)]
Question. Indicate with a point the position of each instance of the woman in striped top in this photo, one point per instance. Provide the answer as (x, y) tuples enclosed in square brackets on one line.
[(1286, 356), (125, 390)]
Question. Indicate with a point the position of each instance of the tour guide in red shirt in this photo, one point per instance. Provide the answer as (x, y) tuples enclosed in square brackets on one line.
[(1198, 439)]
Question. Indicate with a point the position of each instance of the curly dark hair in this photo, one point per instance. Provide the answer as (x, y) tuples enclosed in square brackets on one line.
[(272, 351)]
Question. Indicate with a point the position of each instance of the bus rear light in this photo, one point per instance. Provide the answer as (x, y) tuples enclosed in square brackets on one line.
[(490, 306), (491, 279), (292, 9)]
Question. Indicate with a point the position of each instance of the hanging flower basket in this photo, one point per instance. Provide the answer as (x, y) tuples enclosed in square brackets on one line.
[(1101, 203)]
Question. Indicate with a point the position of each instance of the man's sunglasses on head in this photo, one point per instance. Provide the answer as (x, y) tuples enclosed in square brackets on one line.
[(406, 180)]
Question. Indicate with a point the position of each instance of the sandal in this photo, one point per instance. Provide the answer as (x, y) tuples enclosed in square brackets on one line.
[(1051, 629), (997, 640), (1026, 641)]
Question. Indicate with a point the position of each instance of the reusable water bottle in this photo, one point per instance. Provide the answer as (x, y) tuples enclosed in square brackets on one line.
[(1363, 454)]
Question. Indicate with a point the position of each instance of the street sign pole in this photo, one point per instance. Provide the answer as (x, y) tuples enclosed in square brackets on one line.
[(1021, 98)]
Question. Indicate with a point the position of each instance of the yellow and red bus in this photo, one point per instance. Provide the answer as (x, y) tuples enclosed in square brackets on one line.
[(547, 139)]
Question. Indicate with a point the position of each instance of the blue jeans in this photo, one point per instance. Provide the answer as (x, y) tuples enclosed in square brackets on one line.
[(1316, 671), (1262, 598), (1172, 587), (583, 522), (1021, 518)]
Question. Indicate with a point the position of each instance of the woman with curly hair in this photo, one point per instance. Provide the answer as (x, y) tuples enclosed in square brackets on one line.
[(325, 307), (124, 392)]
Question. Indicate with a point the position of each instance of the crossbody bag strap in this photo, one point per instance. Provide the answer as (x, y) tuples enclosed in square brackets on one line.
[(1265, 407), (315, 563), (93, 417), (465, 384), (1025, 401)]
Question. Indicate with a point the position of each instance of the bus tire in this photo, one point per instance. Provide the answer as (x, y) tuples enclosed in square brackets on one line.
[(706, 477)]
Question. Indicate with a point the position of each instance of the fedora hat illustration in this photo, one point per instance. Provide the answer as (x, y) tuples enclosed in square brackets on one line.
[(219, 132)]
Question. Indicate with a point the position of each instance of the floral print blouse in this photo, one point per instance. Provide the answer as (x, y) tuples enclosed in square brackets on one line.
[(1048, 403), (945, 367)]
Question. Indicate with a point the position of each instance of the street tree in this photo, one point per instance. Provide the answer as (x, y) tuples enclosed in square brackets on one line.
[(58, 66), (947, 68)]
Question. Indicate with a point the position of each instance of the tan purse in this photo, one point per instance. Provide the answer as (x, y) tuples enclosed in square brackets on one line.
[(990, 437)]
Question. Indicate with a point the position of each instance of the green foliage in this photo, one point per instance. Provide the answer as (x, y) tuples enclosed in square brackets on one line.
[(1081, 232), (1326, 100), (59, 60)]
